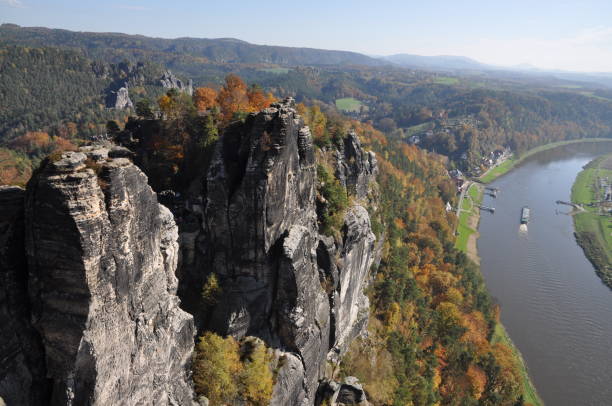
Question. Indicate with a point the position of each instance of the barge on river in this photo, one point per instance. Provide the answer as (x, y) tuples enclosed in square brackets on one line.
[(525, 212)]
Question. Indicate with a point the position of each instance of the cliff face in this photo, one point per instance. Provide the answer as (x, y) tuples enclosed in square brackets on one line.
[(22, 369), (89, 260), (282, 281), (101, 255)]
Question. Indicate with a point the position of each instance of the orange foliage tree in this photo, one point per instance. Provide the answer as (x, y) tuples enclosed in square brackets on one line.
[(258, 100), (235, 97), (204, 98), (32, 141)]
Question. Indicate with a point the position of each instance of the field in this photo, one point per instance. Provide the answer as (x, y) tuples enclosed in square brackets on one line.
[(468, 222), (570, 86), (276, 71), (445, 80), (348, 104), (510, 163), (594, 226)]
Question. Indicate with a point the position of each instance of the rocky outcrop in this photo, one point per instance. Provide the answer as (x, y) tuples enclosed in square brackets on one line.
[(355, 168), (169, 81), (122, 99), (101, 258), (299, 291), (89, 259), (349, 392), (22, 370)]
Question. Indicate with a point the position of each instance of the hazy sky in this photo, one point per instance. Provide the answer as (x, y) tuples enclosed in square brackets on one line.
[(570, 35)]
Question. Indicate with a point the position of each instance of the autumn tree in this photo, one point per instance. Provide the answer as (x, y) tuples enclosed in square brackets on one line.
[(258, 100), (317, 122), (256, 378), (204, 98), (216, 365), (174, 104), (233, 97), (32, 141)]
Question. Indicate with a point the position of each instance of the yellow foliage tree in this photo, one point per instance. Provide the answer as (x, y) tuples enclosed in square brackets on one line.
[(167, 105), (256, 378), (510, 384), (216, 365), (211, 291)]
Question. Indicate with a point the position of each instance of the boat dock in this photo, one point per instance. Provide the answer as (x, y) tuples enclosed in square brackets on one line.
[(492, 191), (574, 205), (489, 209)]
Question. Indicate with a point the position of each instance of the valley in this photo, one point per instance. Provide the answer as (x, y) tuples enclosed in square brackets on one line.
[(206, 222)]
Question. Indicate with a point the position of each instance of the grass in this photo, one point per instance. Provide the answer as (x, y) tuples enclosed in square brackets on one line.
[(348, 104), (594, 229), (446, 80), (276, 71), (594, 96), (468, 210), (510, 163), (415, 129), (476, 194), (530, 395)]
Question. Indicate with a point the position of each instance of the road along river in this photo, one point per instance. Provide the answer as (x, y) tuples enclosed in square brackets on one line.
[(556, 310)]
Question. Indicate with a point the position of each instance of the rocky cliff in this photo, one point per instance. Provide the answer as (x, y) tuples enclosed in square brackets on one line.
[(22, 368), (90, 261), (255, 226), (101, 256), (169, 81)]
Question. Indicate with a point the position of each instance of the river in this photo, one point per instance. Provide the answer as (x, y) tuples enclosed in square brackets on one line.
[(556, 310)]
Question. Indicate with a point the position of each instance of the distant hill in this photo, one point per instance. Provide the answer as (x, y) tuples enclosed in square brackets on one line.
[(442, 62), (118, 46), (43, 89)]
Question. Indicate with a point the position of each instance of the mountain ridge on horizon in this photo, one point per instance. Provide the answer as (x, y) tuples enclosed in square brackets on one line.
[(235, 50)]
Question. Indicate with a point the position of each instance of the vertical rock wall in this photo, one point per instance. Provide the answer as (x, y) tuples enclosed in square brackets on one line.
[(101, 257), (22, 368), (301, 292), (89, 260)]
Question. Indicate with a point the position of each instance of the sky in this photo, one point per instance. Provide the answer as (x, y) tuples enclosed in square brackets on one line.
[(565, 35)]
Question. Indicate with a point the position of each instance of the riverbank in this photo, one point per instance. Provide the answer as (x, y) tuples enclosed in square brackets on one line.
[(510, 163), (530, 395), (592, 226), (466, 241), (467, 227)]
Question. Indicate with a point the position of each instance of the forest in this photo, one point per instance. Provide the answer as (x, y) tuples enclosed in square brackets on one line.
[(464, 117)]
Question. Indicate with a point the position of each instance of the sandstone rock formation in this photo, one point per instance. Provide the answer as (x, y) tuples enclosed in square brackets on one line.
[(355, 168), (349, 392), (282, 281), (122, 100), (169, 81), (22, 372), (101, 257), (89, 269)]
